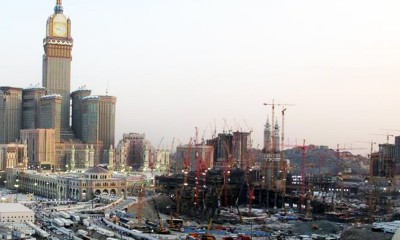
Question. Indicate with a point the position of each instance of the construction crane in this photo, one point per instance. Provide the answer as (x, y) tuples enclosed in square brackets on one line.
[(185, 171), (170, 157), (303, 149), (162, 229), (387, 136), (152, 163), (338, 149), (141, 195), (186, 162), (371, 169), (198, 169)]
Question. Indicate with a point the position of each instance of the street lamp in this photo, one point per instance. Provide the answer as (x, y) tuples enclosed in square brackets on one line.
[(16, 195)]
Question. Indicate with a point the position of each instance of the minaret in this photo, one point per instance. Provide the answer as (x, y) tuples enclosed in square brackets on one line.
[(87, 157), (72, 159), (57, 44), (276, 138), (267, 137), (91, 156), (111, 158)]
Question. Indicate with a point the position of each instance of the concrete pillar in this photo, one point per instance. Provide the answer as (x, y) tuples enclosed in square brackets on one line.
[(111, 158)]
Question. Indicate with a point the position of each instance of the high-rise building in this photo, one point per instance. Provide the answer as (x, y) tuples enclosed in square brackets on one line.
[(50, 113), (10, 114), (98, 120), (30, 106), (77, 97), (107, 120), (90, 119), (397, 154), (57, 60)]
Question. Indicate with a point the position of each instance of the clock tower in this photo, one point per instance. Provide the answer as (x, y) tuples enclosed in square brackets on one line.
[(57, 60)]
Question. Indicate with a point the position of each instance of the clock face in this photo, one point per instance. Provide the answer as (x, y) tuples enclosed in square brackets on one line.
[(60, 30)]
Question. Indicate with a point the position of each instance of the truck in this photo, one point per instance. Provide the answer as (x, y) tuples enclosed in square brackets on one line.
[(105, 232), (67, 223), (75, 218), (58, 222), (86, 222), (64, 215), (82, 232)]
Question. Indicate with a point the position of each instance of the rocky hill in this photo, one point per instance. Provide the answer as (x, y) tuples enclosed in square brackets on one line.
[(323, 160)]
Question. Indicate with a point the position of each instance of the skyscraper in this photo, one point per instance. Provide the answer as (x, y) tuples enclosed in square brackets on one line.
[(57, 60), (98, 120), (90, 119), (107, 120), (77, 97), (10, 114), (50, 113), (30, 107)]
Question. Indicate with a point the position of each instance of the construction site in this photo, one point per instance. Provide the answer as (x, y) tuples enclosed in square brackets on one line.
[(226, 180)]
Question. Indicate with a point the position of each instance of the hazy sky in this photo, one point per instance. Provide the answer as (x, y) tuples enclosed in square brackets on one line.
[(176, 65)]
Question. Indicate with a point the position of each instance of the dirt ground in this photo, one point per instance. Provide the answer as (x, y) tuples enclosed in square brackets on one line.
[(363, 234)]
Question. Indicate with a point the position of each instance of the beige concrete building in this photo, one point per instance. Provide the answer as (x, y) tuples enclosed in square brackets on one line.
[(13, 155), (74, 154), (15, 212), (80, 185), (162, 161), (41, 148), (134, 152)]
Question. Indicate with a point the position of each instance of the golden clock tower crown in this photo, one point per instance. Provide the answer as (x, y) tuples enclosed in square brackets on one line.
[(57, 60), (58, 25)]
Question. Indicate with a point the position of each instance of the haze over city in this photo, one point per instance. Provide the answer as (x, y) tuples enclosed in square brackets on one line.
[(177, 65)]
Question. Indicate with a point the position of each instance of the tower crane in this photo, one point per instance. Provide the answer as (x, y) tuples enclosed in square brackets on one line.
[(186, 162), (303, 149), (387, 136), (198, 169), (170, 156), (371, 170), (185, 170)]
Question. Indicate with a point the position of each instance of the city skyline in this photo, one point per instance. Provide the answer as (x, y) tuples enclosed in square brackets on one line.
[(184, 64)]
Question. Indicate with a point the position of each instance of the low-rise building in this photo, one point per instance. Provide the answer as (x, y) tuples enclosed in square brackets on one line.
[(15, 212), (79, 185)]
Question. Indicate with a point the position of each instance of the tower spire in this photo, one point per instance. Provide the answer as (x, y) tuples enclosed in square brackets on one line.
[(58, 8)]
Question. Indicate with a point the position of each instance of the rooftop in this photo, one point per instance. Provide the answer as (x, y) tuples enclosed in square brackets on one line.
[(96, 170), (13, 207)]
